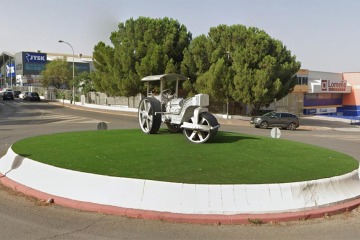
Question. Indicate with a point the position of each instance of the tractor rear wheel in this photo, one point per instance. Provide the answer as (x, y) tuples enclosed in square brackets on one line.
[(201, 136)]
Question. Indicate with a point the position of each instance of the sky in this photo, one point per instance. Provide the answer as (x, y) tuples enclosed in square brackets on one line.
[(324, 35)]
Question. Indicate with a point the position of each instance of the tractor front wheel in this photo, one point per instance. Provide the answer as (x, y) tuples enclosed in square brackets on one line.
[(150, 115)]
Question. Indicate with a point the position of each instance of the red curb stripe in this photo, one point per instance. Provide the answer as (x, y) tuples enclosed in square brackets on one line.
[(185, 218)]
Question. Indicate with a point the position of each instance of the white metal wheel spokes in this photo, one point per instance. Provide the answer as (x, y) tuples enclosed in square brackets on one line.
[(197, 135), (145, 116), (149, 120)]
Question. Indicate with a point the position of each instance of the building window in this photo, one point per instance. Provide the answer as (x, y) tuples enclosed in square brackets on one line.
[(305, 81), (302, 80)]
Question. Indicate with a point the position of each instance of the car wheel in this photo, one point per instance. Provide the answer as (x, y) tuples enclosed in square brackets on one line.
[(264, 124), (292, 126)]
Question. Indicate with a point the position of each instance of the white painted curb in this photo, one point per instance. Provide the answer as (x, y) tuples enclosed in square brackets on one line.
[(179, 197), (113, 108)]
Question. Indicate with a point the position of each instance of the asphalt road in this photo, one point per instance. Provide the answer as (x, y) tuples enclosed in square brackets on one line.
[(22, 217)]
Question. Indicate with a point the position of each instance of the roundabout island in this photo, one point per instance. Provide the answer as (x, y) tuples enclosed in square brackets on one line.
[(231, 179)]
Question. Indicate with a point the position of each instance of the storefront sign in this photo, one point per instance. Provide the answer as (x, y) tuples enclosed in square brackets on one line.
[(33, 63), (325, 110), (331, 86), (311, 111), (34, 57)]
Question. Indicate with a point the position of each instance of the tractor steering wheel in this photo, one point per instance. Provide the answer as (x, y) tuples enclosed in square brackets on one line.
[(167, 93)]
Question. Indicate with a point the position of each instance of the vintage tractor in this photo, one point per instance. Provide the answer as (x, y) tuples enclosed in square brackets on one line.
[(188, 115)]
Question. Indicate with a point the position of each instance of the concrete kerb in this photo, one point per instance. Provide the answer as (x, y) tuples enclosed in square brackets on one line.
[(186, 218), (191, 203)]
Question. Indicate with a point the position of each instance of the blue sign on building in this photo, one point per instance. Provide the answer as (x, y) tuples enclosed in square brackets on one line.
[(33, 63), (34, 57)]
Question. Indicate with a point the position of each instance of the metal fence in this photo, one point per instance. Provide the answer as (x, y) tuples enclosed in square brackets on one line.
[(233, 108), (91, 98)]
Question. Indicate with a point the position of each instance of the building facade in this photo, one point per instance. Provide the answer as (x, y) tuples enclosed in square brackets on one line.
[(24, 68), (323, 93), (7, 69), (351, 101)]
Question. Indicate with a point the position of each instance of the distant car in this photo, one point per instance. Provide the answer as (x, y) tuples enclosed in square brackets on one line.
[(22, 95), (7, 96), (32, 96), (16, 94), (6, 90), (276, 119)]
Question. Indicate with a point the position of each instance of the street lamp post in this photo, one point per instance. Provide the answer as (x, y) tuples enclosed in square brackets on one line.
[(227, 89), (73, 87)]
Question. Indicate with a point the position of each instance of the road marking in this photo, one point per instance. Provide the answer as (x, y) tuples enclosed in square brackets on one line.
[(67, 118), (48, 118)]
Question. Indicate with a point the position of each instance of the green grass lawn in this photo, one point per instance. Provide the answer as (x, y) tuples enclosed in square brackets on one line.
[(228, 158)]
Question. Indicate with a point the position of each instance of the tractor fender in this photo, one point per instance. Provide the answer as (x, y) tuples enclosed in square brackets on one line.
[(198, 111)]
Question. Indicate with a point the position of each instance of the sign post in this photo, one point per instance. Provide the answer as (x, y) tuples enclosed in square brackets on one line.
[(275, 132)]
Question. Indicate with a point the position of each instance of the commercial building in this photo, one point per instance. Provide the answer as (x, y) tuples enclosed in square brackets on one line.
[(24, 68), (7, 69), (323, 93), (351, 101)]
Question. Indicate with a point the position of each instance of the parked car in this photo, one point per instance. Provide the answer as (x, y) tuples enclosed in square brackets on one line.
[(6, 90), (22, 95), (276, 119), (32, 96), (8, 96), (16, 94)]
